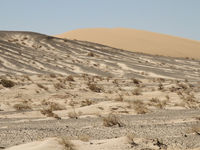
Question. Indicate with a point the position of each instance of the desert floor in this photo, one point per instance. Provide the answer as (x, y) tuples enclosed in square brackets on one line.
[(60, 94)]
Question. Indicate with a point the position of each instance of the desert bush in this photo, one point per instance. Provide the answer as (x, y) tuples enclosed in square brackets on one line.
[(70, 78), (111, 120), (68, 145), (138, 106), (22, 106), (49, 113), (94, 88), (42, 86), (158, 103), (196, 129), (130, 139), (59, 86), (91, 54), (52, 75), (7, 83), (86, 102), (55, 106), (136, 81), (137, 91)]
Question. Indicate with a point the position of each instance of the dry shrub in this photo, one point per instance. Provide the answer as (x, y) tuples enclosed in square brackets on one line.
[(137, 91), (183, 86), (70, 78), (59, 86), (130, 139), (160, 86), (42, 86), (55, 106), (52, 75), (157, 103), (86, 102), (7, 83), (52, 105), (136, 81), (68, 145), (94, 88), (91, 54), (196, 130), (111, 120), (49, 113), (22, 106), (138, 106)]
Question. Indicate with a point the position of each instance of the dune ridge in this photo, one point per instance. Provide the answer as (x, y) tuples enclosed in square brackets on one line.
[(138, 41)]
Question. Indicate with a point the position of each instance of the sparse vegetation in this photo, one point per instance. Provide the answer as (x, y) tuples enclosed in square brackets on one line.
[(42, 86), (70, 78), (138, 106), (136, 81), (86, 102), (137, 91), (94, 88), (22, 106), (91, 54), (130, 139), (68, 145), (111, 120), (7, 83), (49, 113)]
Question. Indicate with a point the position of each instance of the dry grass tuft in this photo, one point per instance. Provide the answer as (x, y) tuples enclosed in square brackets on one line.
[(7, 83), (68, 145), (94, 88), (91, 54), (196, 130), (136, 81), (59, 86), (130, 139), (138, 106), (86, 102), (49, 113), (22, 106), (137, 91), (111, 120), (42, 86), (70, 78)]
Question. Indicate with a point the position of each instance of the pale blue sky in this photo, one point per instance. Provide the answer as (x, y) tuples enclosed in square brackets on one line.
[(174, 17)]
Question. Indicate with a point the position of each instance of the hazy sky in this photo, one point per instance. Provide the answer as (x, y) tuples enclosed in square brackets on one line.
[(175, 17)]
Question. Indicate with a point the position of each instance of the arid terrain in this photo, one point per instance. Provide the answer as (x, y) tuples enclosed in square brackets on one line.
[(138, 41), (61, 94)]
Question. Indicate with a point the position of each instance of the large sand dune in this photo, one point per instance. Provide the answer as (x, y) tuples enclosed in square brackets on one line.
[(138, 41)]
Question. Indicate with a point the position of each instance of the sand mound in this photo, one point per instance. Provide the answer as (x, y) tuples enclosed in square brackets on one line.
[(138, 41)]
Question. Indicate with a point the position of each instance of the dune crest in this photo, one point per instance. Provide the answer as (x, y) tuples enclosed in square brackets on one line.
[(138, 41)]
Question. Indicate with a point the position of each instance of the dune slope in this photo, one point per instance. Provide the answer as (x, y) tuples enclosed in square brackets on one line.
[(138, 41)]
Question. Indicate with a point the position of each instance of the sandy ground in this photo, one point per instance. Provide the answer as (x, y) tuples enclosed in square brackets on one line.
[(138, 41), (65, 94)]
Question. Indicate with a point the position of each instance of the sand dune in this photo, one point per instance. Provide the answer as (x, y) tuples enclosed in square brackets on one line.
[(138, 41)]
